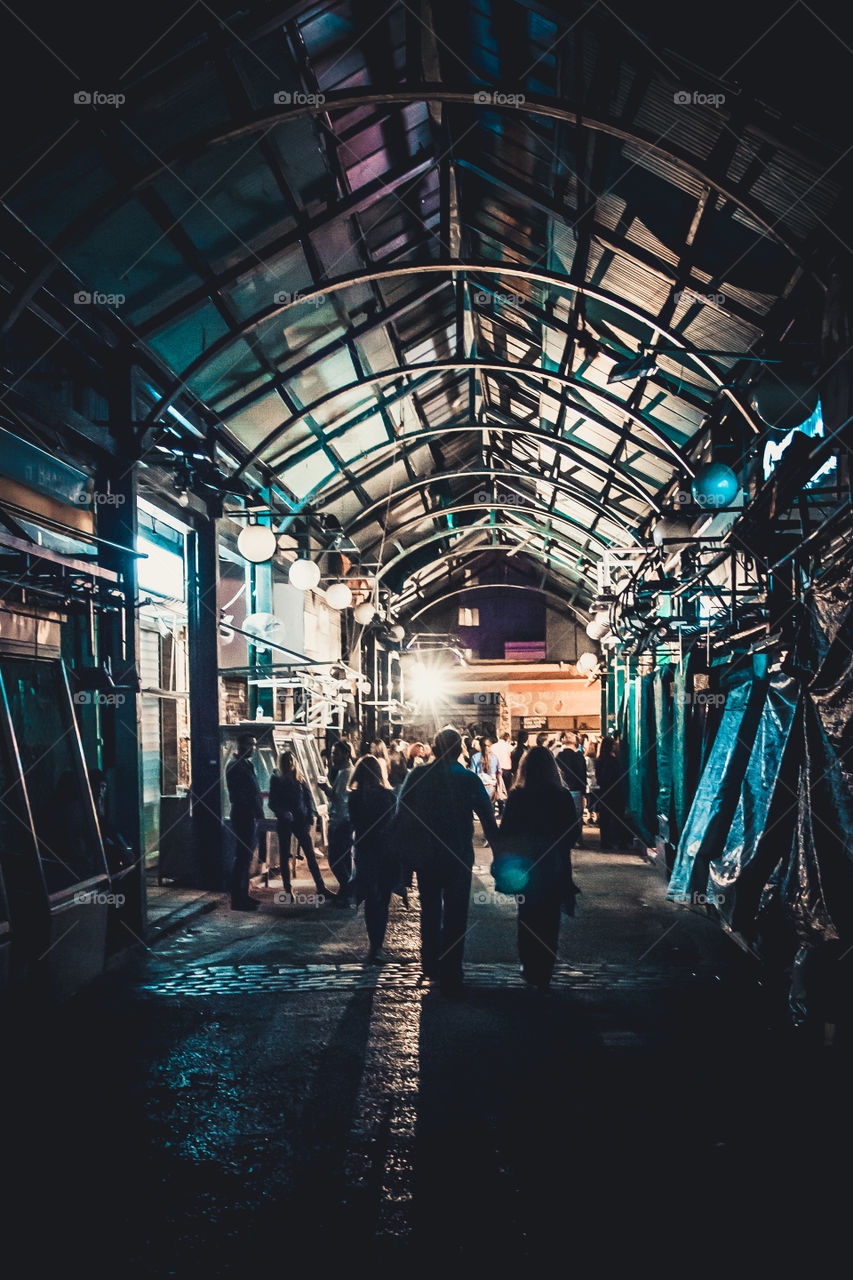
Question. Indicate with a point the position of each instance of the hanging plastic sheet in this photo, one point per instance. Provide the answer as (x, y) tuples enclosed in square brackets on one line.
[(815, 888), (764, 815), (714, 804), (642, 760), (664, 741), (689, 717)]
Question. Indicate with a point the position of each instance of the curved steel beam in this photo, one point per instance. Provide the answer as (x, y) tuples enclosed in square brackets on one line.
[(536, 274), (367, 513), (519, 534), (495, 586), (576, 450), (351, 99), (448, 556), (584, 497), (530, 506), (565, 380)]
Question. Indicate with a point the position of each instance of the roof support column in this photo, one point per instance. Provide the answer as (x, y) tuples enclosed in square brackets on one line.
[(203, 628)]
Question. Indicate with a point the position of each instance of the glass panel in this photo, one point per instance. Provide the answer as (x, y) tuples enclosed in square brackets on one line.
[(18, 856), (162, 573), (54, 771)]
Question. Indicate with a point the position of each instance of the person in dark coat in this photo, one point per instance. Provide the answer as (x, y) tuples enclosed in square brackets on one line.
[(290, 801), (377, 867), (340, 825), (247, 807), (434, 828), (611, 805), (534, 861), (572, 766), (518, 751)]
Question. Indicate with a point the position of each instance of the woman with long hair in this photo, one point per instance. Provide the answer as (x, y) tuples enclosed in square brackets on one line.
[(534, 861), (377, 869), (291, 802)]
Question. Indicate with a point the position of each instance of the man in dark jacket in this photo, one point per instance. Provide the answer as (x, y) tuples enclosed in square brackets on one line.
[(572, 766), (434, 825), (246, 808)]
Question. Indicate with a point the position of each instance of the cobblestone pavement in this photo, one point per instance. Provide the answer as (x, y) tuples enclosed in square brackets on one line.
[(253, 1094)]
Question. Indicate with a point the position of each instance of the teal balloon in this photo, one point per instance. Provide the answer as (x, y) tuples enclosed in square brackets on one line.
[(714, 485)]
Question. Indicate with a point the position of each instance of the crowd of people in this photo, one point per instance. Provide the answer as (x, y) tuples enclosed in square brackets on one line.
[(403, 809)]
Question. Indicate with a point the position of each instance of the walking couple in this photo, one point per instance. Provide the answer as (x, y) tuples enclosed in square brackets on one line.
[(434, 832)]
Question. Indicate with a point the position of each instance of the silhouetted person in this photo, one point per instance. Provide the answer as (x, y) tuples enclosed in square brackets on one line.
[(503, 751), (572, 766), (340, 824), (247, 807), (397, 768), (611, 807), (535, 860), (377, 866), (591, 780), (290, 801), (435, 823), (518, 751)]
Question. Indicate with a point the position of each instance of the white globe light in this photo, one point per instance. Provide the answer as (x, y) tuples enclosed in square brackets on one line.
[(265, 629), (364, 613), (398, 632), (599, 625), (257, 543), (339, 595), (304, 575), (586, 662), (668, 530)]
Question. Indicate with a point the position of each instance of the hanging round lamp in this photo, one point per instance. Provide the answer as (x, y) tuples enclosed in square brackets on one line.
[(364, 613), (599, 625), (784, 398), (257, 543), (304, 575), (339, 595), (671, 533)]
